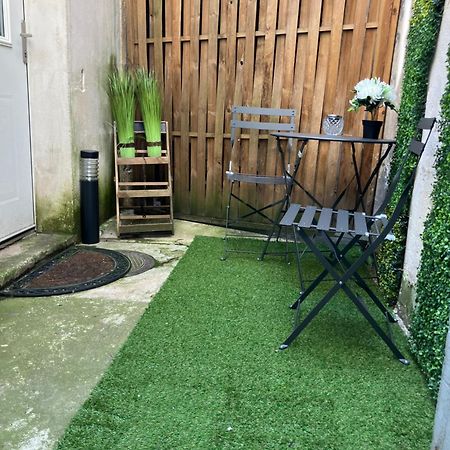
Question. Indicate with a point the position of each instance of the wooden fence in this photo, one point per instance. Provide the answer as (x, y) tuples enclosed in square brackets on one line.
[(211, 54)]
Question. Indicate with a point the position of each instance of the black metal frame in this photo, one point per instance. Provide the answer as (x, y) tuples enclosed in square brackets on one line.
[(367, 232), (237, 178)]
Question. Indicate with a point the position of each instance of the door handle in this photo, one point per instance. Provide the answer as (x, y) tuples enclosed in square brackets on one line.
[(24, 35)]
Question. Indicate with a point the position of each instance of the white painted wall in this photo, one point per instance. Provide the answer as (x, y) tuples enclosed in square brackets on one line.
[(48, 72), (69, 112), (421, 201)]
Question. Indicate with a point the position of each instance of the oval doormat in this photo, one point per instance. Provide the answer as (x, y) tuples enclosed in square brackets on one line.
[(75, 269)]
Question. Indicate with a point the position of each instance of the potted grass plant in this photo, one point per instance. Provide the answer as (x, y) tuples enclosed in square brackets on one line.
[(122, 97), (149, 96)]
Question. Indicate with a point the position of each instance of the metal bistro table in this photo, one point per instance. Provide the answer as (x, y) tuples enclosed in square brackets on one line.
[(352, 140)]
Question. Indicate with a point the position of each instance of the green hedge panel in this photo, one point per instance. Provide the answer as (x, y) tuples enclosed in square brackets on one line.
[(422, 38), (430, 320)]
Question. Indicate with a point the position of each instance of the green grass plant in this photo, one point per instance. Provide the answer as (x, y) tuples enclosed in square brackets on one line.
[(149, 97), (122, 98), (202, 370)]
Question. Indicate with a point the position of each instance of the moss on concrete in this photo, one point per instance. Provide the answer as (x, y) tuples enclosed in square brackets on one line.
[(406, 301), (107, 197), (61, 215)]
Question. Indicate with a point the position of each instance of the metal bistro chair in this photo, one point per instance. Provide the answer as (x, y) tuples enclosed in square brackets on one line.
[(237, 200), (367, 232)]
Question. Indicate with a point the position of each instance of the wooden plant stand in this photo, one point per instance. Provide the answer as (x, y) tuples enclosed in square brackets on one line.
[(144, 187)]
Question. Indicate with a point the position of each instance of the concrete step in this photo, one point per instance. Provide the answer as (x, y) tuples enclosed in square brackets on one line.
[(22, 255)]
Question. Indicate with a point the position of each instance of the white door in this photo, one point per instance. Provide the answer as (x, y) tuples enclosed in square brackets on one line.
[(16, 188)]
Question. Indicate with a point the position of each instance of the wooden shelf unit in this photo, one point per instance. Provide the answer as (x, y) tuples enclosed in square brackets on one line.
[(144, 187)]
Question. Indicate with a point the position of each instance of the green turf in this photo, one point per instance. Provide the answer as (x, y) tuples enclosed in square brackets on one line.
[(201, 370)]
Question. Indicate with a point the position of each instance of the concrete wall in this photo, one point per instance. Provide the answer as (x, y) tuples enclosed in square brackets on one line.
[(421, 202), (441, 432), (69, 55)]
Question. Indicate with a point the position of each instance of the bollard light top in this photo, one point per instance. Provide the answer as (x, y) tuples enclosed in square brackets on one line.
[(93, 154)]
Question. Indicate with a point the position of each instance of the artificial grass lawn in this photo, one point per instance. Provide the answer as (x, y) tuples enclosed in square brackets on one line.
[(201, 370)]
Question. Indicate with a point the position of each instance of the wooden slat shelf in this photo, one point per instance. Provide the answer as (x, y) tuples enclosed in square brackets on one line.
[(144, 189), (144, 193), (143, 183), (146, 228), (140, 160), (145, 217)]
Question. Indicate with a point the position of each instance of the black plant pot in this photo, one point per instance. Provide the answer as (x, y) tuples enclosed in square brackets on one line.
[(371, 128)]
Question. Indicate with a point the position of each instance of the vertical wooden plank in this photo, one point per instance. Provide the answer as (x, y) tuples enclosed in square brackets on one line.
[(128, 28), (289, 54), (211, 183), (352, 77), (272, 165), (179, 182), (142, 32), (308, 169), (131, 30), (330, 107), (250, 154), (184, 160), (269, 51), (316, 118), (231, 29), (196, 165), (156, 33), (168, 73)]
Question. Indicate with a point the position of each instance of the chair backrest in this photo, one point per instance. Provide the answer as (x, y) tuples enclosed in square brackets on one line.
[(415, 148), (238, 122)]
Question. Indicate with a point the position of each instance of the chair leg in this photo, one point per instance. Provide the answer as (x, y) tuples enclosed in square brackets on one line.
[(227, 224), (341, 281), (387, 340), (340, 256), (310, 316), (275, 226)]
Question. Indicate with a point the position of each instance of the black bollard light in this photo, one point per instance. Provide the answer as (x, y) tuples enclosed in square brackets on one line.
[(89, 211)]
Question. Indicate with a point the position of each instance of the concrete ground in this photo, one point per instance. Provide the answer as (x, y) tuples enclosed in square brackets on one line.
[(53, 350)]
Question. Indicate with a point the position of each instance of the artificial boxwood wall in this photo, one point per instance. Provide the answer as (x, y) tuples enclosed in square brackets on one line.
[(430, 320), (422, 38)]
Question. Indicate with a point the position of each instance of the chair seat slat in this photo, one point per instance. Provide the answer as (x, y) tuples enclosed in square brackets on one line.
[(307, 217), (289, 218), (360, 223), (342, 221), (325, 219)]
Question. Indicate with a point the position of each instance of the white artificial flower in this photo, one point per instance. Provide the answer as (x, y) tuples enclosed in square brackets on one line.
[(371, 89), (388, 93), (372, 93)]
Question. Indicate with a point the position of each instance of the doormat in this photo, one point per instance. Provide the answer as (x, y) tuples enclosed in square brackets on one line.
[(140, 262), (75, 269)]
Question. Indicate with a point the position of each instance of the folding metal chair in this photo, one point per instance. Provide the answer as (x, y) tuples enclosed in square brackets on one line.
[(367, 232), (240, 208)]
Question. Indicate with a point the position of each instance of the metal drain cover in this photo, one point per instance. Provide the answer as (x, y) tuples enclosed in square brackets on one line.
[(140, 262)]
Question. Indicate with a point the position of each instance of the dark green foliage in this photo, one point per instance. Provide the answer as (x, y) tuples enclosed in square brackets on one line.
[(422, 37), (430, 320), (201, 370)]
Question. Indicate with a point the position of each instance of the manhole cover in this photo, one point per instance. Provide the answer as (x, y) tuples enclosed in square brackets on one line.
[(140, 262)]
